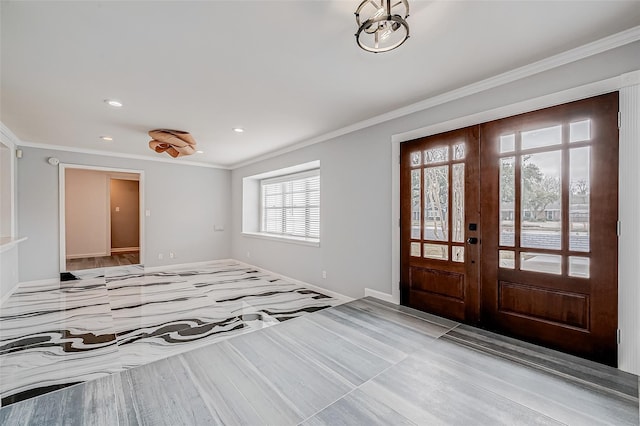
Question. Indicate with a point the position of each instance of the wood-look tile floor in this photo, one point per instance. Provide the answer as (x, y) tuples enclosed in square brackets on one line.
[(118, 259), (360, 363)]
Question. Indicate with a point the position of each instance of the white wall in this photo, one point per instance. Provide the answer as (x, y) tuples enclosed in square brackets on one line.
[(86, 213), (9, 276), (356, 175), (185, 202), (6, 196)]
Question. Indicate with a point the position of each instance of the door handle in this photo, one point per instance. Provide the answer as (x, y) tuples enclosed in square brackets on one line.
[(472, 240)]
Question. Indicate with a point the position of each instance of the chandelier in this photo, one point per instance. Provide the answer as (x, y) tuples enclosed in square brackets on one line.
[(382, 26)]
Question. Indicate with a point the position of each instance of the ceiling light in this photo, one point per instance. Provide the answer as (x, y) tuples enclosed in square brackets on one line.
[(238, 129), (200, 152), (113, 103), (106, 138), (382, 26)]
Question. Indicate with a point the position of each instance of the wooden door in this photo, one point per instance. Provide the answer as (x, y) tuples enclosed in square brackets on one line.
[(549, 215), (440, 224)]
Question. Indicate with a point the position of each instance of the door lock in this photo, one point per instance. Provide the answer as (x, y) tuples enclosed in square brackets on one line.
[(472, 240)]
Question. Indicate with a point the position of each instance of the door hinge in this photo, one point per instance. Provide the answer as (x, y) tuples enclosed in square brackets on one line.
[(400, 157), (399, 223), (618, 338), (619, 119), (618, 228)]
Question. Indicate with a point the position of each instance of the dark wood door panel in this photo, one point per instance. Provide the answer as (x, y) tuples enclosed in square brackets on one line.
[(575, 314), (443, 283), (562, 308), (449, 285)]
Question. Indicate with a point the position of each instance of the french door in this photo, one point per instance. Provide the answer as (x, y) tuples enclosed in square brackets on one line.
[(549, 271), (544, 268), (440, 224)]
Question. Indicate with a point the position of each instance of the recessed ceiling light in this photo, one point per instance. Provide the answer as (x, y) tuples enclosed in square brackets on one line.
[(113, 103), (238, 129), (200, 152), (106, 138)]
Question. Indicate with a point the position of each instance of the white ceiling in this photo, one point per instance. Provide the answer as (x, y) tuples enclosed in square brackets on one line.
[(286, 71)]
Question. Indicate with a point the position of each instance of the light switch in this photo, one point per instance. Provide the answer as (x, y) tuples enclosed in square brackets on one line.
[(117, 209)]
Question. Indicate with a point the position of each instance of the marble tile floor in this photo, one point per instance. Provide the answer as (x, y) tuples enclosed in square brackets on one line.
[(97, 322), (360, 363)]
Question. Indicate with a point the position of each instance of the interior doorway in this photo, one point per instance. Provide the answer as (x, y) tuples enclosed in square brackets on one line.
[(540, 264), (100, 217)]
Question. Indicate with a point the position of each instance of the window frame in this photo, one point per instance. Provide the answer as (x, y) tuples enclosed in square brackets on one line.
[(283, 236)]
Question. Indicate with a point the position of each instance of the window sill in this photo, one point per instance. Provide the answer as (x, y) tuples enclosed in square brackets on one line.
[(283, 239), (7, 242)]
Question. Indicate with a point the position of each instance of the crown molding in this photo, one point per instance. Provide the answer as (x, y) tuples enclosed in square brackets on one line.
[(599, 46), (120, 155), (8, 137)]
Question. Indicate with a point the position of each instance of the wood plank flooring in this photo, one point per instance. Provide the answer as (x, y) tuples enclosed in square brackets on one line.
[(361, 363), (116, 259)]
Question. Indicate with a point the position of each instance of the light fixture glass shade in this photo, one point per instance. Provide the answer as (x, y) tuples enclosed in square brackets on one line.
[(382, 25)]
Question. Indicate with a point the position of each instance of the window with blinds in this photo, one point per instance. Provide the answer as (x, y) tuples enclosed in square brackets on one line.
[(290, 205)]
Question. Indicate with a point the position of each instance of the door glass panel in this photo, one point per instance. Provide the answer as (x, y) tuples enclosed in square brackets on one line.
[(542, 137), (416, 158), (457, 254), (578, 267), (416, 207), (507, 201), (508, 143), (579, 194), (507, 259), (436, 251), (458, 151), (541, 210), (415, 249), (580, 131), (457, 205), (538, 262), (436, 202), (436, 155)]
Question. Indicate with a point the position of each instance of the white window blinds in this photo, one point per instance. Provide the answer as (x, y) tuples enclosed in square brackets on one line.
[(290, 205)]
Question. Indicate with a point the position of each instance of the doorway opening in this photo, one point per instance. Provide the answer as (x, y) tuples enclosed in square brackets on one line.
[(101, 224)]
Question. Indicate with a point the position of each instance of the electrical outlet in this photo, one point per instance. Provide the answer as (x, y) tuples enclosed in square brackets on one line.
[(324, 274), (249, 254), (160, 256), (172, 254)]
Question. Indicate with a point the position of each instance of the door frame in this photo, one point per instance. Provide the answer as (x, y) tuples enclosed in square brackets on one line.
[(629, 346), (62, 168)]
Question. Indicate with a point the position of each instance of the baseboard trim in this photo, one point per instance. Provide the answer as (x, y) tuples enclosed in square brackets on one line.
[(186, 265), (27, 284), (380, 295), (124, 249), (80, 256), (6, 296), (322, 290)]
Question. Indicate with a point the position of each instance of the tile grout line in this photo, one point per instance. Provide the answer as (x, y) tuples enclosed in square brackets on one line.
[(268, 382), (409, 315), (354, 389), (536, 366)]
